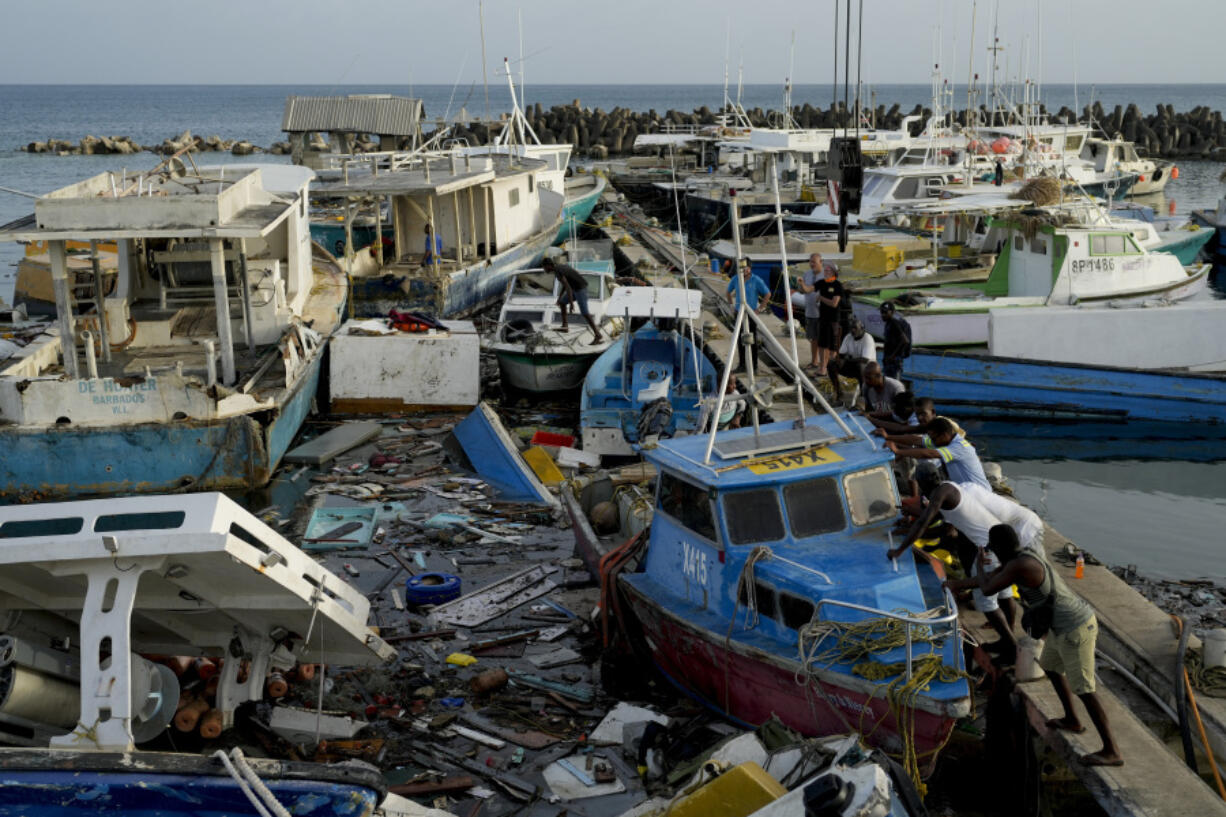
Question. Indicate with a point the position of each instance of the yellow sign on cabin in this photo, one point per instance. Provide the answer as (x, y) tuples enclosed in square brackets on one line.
[(788, 462)]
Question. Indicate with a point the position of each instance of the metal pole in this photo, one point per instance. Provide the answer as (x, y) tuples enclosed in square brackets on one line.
[(63, 307), (244, 283), (740, 288), (723, 388), (221, 295), (787, 283)]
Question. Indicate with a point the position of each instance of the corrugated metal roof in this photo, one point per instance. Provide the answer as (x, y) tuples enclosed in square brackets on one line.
[(380, 114)]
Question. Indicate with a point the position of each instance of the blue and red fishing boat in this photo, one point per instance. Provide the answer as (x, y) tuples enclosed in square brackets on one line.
[(765, 590)]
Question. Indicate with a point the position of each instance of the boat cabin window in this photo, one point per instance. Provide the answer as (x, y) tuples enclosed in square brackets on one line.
[(908, 188), (688, 505), (871, 185), (1112, 244), (1073, 143), (870, 495), (513, 197), (529, 184), (753, 516), (797, 611), (533, 283), (1038, 245), (593, 286), (814, 507), (1019, 243), (764, 597)]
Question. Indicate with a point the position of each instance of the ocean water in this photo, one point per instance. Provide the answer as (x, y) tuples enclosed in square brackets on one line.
[(1130, 494)]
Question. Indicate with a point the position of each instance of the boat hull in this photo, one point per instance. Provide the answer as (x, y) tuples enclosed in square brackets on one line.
[(1188, 246), (544, 372), (67, 784), (576, 211), (751, 686), (450, 295), (987, 385), (237, 452)]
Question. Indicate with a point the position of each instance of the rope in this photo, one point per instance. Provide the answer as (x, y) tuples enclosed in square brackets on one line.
[(1200, 725), (251, 796), (236, 754)]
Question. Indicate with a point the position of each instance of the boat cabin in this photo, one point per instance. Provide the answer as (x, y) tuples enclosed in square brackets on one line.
[(214, 287), (320, 127)]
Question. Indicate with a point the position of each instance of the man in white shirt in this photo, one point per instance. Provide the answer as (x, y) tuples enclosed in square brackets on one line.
[(857, 351)]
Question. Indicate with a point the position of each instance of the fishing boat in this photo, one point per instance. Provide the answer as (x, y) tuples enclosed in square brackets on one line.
[(1120, 154), (650, 383), (489, 211), (198, 368), (765, 573), (1041, 265), (534, 352), (185, 574)]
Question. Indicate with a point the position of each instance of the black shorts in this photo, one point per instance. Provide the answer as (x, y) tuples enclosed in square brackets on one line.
[(829, 334)]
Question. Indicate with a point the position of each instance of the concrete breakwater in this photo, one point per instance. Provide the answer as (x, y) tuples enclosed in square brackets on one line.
[(1198, 133)]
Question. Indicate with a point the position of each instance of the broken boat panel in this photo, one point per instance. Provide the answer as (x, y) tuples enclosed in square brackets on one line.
[(494, 456)]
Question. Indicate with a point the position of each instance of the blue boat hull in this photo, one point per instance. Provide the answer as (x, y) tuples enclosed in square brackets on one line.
[(1188, 247), (453, 296), (235, 453), (982, 385), (492, 454), (155, 784)]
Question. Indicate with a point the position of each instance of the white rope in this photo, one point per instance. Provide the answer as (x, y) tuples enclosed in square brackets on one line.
[(242, 784), (236, 754)]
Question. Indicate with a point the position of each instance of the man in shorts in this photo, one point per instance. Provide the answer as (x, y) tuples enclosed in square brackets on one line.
[(574, 291), (808, 286), (1068, 649)]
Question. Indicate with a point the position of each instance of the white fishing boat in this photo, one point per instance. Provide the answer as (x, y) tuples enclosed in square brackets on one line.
[(534, 352), (1040, 265), (197, 368)]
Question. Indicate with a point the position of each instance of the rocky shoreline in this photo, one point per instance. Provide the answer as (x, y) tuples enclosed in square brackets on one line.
[(1199, 133)]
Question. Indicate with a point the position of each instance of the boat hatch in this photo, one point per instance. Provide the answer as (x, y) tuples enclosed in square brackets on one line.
[(773, 442), (529, 315)]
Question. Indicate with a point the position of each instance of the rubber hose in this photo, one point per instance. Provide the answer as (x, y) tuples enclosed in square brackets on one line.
[(1181, 696)]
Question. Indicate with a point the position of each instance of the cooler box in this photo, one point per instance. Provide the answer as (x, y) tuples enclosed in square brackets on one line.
[(875, 259)]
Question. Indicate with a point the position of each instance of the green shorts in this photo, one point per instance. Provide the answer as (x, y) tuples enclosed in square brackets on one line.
[(1072, 654)]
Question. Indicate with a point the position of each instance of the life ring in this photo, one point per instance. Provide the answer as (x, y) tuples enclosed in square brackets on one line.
[(431, 588)]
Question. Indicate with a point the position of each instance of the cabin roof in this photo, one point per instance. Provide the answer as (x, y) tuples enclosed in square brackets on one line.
[(413, 179), (685, 455), (380, 114)]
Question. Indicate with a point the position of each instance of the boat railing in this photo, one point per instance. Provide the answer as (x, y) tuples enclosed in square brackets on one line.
[(909, 622)]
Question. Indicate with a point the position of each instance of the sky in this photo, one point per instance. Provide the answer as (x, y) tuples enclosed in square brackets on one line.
[(592, 42)]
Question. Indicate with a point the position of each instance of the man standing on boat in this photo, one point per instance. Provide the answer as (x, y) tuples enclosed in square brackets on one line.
[(897, 341), (962, 507), (434, 247), (574, 290), (1068, 649)]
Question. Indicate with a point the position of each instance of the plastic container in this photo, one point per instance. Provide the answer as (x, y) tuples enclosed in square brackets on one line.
[(1215, 648), (1080, 570), (1027, 668)]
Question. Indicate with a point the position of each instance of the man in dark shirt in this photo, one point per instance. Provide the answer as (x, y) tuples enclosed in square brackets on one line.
[(897, 341), (574, 290), (829, 333)]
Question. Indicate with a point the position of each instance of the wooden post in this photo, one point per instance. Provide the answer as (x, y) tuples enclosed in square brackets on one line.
[(433, 232), (459, 236), (63, 307), (487, 202), (379, 230), (244, 283), (100, 297), (472, 221), (221, 294)]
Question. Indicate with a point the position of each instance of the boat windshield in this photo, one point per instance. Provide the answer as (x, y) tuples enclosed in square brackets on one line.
[(753, 516), (814, 507), (533, 284), (593, 285), (688, 505), (870, 495)]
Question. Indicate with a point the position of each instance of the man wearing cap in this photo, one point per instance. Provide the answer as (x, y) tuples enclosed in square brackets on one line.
[(897, 341), (857, 351), (574, 290)]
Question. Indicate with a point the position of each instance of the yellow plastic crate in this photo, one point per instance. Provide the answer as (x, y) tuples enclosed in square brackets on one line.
[(543, 465), (738, 792), (875, 258)]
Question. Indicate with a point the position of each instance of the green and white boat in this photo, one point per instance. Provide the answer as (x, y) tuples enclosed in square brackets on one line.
[(534, 353), (1040, 264)]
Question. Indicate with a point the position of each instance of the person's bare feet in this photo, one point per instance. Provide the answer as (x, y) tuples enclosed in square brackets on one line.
[(1102, 758), (1067, 725)]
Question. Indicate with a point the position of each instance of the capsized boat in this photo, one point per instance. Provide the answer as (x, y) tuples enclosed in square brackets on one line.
[(651, 382), (764, 588), (1041, 264), (197, 369), (534, 352), (91, 588)]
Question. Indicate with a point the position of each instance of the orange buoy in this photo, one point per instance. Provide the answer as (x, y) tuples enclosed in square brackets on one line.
[(305, 672), (1174, 172), (1170, 207), (276, 687), (205, 668), (210, 724), (189, 715)]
